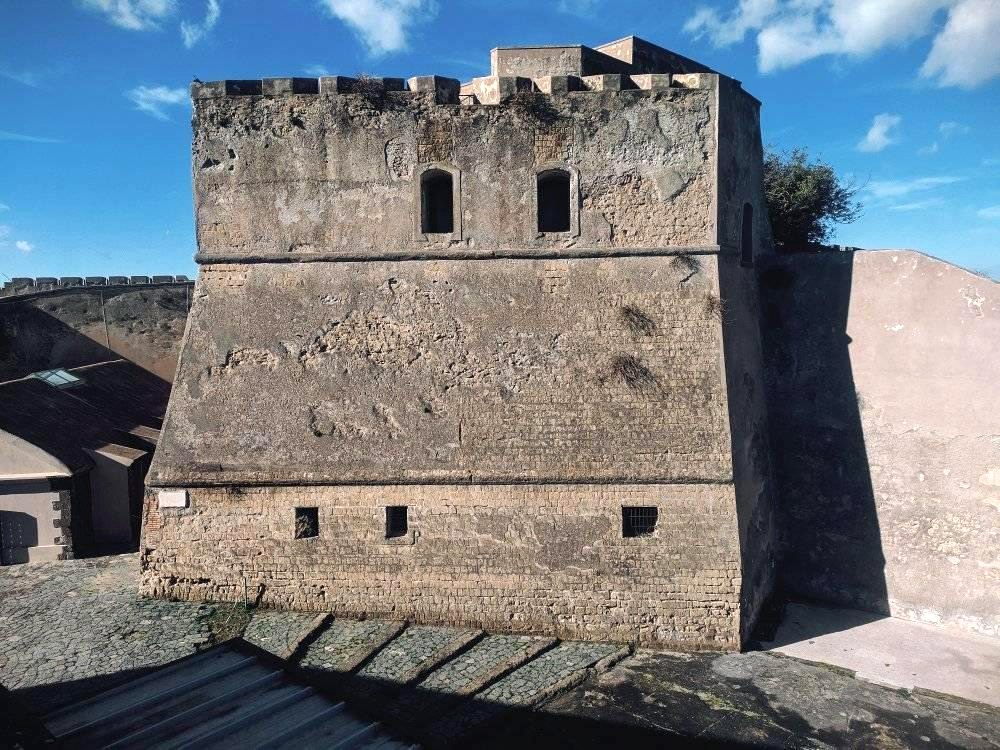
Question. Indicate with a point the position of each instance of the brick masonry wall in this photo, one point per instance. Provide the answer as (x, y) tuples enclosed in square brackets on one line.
[(531, 558)]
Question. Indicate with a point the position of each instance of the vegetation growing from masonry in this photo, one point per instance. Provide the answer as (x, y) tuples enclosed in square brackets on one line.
[(805, 198)]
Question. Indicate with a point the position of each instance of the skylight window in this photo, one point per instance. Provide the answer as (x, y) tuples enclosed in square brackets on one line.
[(57, 378)]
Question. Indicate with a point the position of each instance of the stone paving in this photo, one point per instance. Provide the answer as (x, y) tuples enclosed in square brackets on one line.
[(345, 644), (529, 683), (72, 629), (757, 699), (281, 632), (79, 623), (416, 651), (533, 683), (488, 659)]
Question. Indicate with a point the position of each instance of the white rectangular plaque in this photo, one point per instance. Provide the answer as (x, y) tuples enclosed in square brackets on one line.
[(172, 498)]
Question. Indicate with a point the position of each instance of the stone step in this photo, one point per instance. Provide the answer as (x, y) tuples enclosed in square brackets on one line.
[(490, 659), (528, 686), (416, 652), (345, 645), (281, 632)]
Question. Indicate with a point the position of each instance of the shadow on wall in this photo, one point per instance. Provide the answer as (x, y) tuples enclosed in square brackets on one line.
[(78, 327), (33, 339), (829, 536), (17, 529)]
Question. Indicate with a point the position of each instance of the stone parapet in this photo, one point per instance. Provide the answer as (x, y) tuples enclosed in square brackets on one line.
[(22, 285), (485, 90)]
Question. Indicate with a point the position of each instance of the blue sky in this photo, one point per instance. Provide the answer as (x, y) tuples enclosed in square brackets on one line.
[(901, 95)]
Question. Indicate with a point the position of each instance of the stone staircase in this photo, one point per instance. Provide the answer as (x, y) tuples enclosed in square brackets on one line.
[(305, 680), (442, 686)]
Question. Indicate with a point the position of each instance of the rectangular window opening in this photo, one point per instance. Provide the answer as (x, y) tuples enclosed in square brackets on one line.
[(395, 521), (306, 523), (639, 520)]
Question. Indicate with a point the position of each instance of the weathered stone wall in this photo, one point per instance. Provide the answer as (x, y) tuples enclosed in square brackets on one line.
[(513, 389), (81, 326), (882, 370), (535, 62), (337, 175), (503, 370), (534, 558), (740, 182)]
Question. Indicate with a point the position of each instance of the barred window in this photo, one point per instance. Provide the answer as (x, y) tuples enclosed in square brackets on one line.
[(638, 520)]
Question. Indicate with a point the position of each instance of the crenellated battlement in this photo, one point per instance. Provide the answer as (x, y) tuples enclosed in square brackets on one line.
[(22, 285), (485, 90)]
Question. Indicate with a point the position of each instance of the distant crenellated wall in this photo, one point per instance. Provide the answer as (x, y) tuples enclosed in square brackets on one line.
[(24, 285), (75, 321)]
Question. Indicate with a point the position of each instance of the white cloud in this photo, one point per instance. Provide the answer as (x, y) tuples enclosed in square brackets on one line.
[(317, 70), (966, 53), (951, 128), (24, 77), (192, 33), (899, 188), (748, 15), (584, 8), (790, 32), (24, 246), (135, 15), (928, 150), (883, 132), (153, 99), (381, 24), (917, 205), (6, 135), (990, 212)]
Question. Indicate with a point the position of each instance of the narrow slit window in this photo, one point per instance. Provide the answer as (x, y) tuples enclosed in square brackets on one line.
[(746, 236), (306, 523), (395, 521), (553, 201), (639, 520), (437, 202)]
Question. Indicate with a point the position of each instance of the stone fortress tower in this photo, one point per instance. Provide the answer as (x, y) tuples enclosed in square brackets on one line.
[(482, 353)]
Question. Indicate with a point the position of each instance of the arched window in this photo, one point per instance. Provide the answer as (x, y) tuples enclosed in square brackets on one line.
[(554, 201), (436, 202), (746, 236)]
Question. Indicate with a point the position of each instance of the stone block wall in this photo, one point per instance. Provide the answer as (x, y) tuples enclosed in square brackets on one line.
[(514, 389), (333, 175), (531, 558)]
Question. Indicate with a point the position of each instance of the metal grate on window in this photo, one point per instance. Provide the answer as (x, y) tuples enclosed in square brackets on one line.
[(306, 523), (395, 521), (638, 520)]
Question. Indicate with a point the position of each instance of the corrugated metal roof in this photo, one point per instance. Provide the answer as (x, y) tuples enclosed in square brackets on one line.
[(231, 696)]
